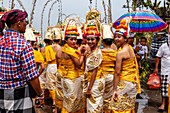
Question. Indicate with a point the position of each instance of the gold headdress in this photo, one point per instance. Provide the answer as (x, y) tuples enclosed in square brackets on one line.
[(71, 28), (91, 29), (124, 28)]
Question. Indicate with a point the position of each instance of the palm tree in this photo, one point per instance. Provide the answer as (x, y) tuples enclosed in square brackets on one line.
[(105, 14), (109, 12), (12, 4), (20, 3)]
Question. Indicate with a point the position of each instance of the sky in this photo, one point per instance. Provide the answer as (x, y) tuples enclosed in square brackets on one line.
[(79, 7)]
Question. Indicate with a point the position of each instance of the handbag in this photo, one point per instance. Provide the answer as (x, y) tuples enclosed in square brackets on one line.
[(154, 81), (32, 92)]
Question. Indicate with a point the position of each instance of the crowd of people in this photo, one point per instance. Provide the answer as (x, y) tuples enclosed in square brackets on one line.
[(79, 75)]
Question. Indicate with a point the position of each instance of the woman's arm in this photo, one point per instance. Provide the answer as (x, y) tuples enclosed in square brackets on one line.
[(41, 68), (88, 93), (78, 62), (117, 71)]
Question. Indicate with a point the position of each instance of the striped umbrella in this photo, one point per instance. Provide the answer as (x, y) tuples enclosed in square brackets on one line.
[(143, 21)]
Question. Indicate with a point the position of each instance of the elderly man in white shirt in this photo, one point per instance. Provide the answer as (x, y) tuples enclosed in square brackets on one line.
[(163, 54)]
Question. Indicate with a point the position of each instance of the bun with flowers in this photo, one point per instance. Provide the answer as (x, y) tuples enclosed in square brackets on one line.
[(71, 28), (124, 27), (91, 29)]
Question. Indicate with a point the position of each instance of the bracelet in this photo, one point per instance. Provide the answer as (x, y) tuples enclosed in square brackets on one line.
[(41, 95)]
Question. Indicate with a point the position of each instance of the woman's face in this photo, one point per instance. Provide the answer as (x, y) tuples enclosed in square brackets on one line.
[(71, 41), (119, 39), (92, 42)]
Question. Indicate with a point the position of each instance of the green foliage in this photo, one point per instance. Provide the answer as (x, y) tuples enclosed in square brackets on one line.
[(145, 72)]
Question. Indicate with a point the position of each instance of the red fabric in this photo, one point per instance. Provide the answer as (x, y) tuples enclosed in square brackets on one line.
[(12, 17)]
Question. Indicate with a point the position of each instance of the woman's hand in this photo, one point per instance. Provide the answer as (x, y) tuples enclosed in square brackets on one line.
[(115, 96), (88, 93)]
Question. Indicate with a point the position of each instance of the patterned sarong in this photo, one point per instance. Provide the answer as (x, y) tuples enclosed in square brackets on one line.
[(16, 100), (127, 92), (72, 90)]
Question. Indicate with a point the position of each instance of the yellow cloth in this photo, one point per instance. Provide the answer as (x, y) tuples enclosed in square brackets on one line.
[(93, 61), (45, 63), (38, 57), (71, 82), (50, 55), (108, 63), (68, 68), (71, 51), (130, 72)]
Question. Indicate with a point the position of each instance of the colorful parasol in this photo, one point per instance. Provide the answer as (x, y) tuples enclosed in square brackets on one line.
[(143, 21)]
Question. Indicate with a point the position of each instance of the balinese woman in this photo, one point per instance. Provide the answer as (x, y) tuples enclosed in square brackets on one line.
[(126, 82), (108, 64), (72, 59), (57, 37), (93, 71), (51, 65)]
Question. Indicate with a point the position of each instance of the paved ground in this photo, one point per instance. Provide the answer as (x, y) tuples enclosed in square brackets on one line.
[(144, 106)]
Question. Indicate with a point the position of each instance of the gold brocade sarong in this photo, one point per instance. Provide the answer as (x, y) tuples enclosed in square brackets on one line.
[(108, 66), (95, 102), (127, 92), (127, 88), (71, 82)]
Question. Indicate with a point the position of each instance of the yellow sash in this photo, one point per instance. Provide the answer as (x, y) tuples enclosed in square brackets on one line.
[(67, 66), (71, 51)]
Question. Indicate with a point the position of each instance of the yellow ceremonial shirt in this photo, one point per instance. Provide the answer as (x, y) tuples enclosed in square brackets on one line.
[(67, 66), (38, 57), (108, 62), (50, 55)]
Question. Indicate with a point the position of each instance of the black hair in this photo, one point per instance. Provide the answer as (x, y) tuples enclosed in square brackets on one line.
[(143, 38), (79, 41), (108, 41), (56, 40), (47, 41), (66, 38)]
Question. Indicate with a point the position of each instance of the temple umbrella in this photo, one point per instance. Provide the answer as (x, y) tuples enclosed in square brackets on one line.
[(143, 21)]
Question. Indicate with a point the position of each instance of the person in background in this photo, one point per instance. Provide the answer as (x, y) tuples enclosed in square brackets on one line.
[(163, 55), (126, 83), (141, 51), (57, 37), (17, 66), (51, 66), (108, 65), (131, 40)]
